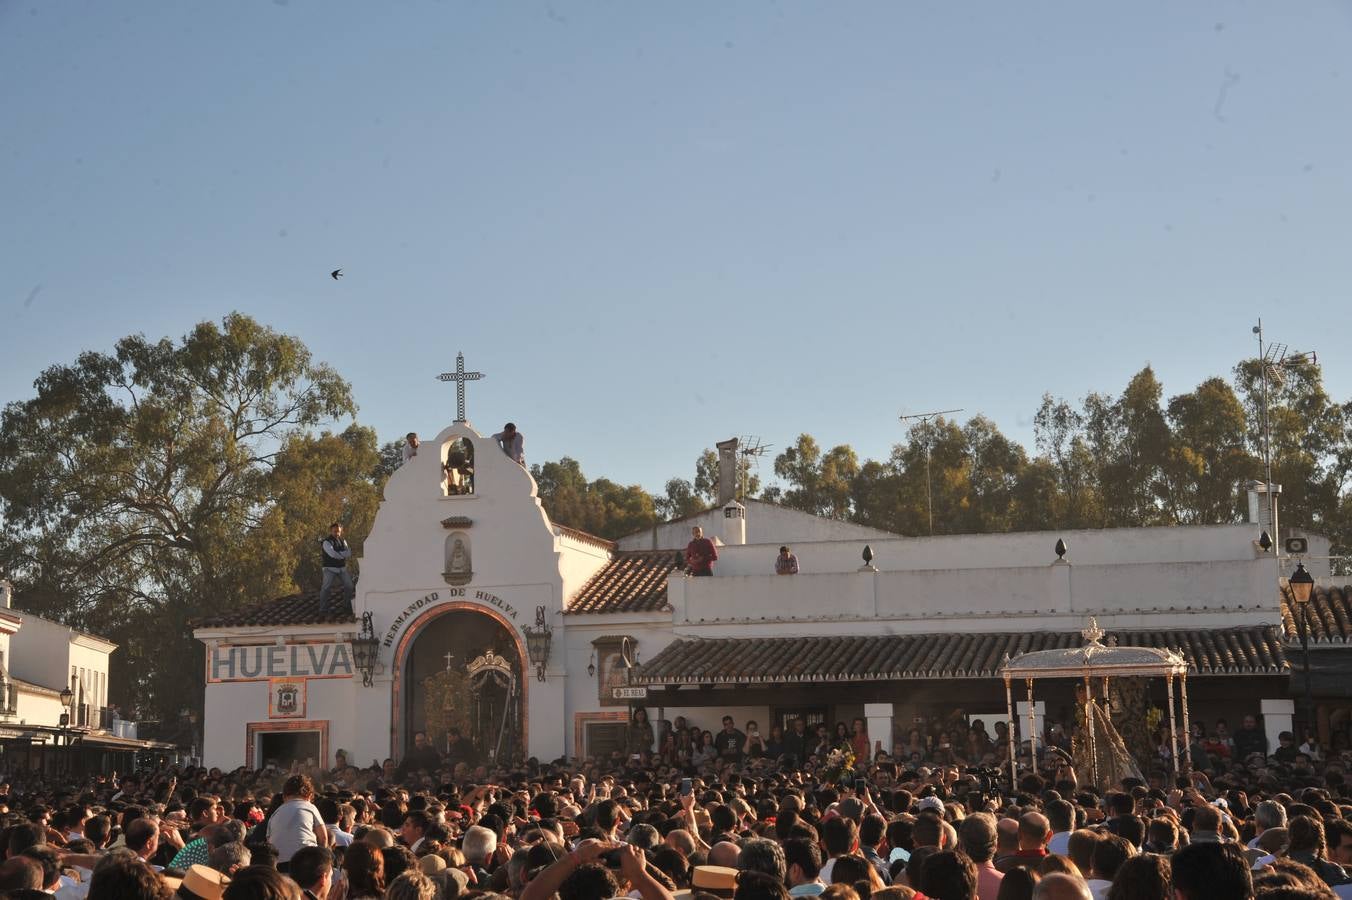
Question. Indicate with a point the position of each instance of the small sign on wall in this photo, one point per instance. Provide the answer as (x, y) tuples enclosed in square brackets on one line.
[(286, 698)]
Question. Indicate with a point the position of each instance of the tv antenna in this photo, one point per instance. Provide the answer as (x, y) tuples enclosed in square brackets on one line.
[(925, 419), (1274, 362), (750, 448)]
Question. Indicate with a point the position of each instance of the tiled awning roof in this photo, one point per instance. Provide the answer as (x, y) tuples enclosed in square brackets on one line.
[(297, 609), (1237, 651), (1330, 615), (633, 581)]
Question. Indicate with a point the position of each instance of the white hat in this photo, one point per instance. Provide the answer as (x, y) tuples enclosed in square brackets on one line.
[(933, 803)]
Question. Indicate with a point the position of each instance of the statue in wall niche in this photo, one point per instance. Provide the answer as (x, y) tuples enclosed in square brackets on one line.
[(458, 569)]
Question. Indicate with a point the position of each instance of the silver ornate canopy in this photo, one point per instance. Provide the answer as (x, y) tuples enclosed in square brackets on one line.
[(1093, 660)]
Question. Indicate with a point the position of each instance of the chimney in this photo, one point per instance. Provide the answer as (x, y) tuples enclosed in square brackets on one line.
[(727, 471), (734, 523), (1260, 513)]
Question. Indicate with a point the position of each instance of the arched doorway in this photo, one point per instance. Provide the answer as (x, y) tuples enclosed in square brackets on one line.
[(463, 670)]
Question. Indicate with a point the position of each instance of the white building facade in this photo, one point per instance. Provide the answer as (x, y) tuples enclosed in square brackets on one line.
[(463, 572), (55, 713)]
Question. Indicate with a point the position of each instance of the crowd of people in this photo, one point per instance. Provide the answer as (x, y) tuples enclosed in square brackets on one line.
[(764, 815)]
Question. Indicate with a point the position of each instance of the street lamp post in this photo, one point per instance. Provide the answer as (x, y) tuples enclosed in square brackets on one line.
[(1302, 586), (63, 738)]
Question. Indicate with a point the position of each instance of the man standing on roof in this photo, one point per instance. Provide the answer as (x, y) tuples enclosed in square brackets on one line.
[(335, 553), (700, 553)]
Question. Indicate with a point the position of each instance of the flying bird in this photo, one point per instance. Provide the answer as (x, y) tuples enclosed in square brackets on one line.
[(336, 273)]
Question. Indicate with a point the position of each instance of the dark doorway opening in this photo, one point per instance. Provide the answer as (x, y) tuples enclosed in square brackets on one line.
[(444, 692), (282, 748)]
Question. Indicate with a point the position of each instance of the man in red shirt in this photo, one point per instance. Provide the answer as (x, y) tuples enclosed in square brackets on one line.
[(700, 553), (1034, 833)]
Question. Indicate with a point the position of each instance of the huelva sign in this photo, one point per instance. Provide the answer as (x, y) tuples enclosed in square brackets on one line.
[(260, 662)]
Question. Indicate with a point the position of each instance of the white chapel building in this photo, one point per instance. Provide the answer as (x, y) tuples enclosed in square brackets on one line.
[(463, 575)]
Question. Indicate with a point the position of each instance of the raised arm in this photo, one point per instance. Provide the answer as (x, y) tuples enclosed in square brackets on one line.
[(633, 866), (548, 882)]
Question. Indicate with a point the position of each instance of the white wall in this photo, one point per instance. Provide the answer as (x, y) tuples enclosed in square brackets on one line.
[(828, 544), (1317, 561), (92, 666), (45, 652), (1051, 596), (578, 561), (518, 564), (1221, 543), (232, 706), (650, 631), (766, 523), (1161, 577), (35, 708), (41, 653)]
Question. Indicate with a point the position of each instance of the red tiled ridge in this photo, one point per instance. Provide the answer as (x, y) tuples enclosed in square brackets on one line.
[(1330, 615), (633, 581), (1239, 651), (296, 609)]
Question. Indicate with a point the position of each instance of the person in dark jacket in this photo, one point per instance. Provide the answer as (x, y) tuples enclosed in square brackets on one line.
[(421, 757), (796, 741), (335, 553), (1250, 739)]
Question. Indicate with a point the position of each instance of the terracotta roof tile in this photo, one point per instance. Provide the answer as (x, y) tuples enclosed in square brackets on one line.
[(1330, 615), (1253, 650), (296, 609), (633, 581)]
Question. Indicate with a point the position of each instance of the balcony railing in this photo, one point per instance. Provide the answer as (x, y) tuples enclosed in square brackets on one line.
[(96, 718), (9, 698)]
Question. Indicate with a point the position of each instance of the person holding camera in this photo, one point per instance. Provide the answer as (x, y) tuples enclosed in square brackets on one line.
[(754, 745)]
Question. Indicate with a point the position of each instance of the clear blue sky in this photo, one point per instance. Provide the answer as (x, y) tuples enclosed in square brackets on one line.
[(656, 225)]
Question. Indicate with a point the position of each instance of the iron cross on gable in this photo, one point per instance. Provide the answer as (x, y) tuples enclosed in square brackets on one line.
[(460, 376)]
